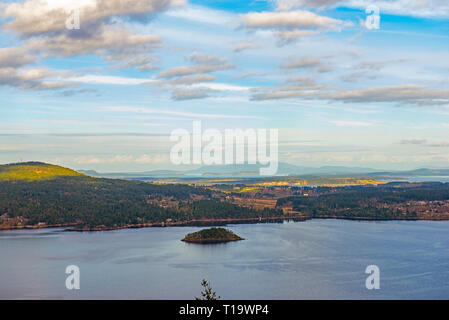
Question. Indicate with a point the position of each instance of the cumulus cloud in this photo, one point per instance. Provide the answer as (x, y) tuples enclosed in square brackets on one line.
[(302, 63), (290, 25), (141, 62), (290, 35), (201, 58), (15, 57), (408, 94), (301, 87), (112, 42), (188, 70), (403, 94), (14, 71), (290, 19), (188, 94), (42, 24), (30, 78), (307, 63), (202, 63), (244, 46), (37, 17), (198, 73), (304, 82), (281, 95)]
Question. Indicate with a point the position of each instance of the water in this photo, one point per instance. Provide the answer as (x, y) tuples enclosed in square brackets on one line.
[(428, 179), (315, 259), (412, 179)]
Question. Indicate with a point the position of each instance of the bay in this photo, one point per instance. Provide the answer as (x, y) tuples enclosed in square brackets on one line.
[(314, 259)]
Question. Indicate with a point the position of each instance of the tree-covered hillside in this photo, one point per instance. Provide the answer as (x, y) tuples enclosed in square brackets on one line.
[(112, 203)]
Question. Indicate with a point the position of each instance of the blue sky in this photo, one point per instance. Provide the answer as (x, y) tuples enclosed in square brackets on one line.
[(108, 95)]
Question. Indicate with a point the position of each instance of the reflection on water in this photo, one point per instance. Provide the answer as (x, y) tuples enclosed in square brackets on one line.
[(323, 259)]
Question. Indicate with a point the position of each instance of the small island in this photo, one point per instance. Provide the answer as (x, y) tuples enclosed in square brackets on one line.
[(212, 235)]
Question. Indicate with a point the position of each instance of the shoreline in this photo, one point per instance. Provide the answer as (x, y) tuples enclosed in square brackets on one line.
[(72, 227), (383, 219), (200, 222)]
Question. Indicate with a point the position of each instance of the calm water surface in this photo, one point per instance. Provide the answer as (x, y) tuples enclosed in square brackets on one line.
[(317, 259)]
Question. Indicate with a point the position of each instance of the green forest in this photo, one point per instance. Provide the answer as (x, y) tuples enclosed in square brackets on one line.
[(92, 202), (381, 202)]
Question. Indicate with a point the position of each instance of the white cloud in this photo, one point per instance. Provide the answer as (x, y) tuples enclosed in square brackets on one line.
[(307, 63), (110, 42), (221, 86), (15, 57), (244, 46), (289, 25), (30, 79), (290, 19), (35, 17), (188, 94), (406, 94), (202, 63), (424, 8), (98, 79), (42, 25)]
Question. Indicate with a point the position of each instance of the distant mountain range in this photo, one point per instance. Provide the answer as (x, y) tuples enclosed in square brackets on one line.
[(284, 169)]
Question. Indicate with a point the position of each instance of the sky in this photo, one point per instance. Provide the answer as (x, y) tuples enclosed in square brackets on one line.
[(108, 95)]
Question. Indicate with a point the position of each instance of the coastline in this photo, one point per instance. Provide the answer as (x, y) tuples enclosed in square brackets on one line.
[(72, 227)]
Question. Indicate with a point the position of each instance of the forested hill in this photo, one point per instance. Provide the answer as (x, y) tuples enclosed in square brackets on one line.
[(36, 193)]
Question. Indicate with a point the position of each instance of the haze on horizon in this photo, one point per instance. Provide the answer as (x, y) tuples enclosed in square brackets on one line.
[(107, 96)]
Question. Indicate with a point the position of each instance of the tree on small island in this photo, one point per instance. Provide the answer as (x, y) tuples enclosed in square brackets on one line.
[(207, 294), (212, 235)]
